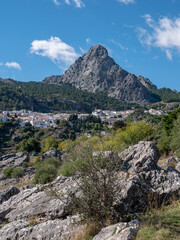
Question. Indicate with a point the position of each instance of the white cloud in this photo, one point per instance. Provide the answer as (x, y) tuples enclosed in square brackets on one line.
[(118, 44), (13, 65), (55, 49), (169, 55), (164, 34), (67, 2), (88, 40), (78, 3), (82, 50), (56, 2), (126, 1)]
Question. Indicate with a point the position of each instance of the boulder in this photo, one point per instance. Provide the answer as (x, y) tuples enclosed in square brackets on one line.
[(37, 201), (145, 183), (120, 231), (52, 153), (13, 160), (49, 230), (140, 157)]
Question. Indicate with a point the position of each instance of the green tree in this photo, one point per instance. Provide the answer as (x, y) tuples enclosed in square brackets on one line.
[(50, 142)]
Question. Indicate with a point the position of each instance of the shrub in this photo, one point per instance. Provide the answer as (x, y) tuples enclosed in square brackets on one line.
[(50, 142), (13, 172), (17, 172), (30, 145), (46, 171), (97, 182), (133, 133), (8, 171)]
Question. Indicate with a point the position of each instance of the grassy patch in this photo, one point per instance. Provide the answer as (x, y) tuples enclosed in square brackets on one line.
[(161, 224), (87, 233)]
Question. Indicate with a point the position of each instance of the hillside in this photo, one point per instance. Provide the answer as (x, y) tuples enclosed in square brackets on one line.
[(42, 97)]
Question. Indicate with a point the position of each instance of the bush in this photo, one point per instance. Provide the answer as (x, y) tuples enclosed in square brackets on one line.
[(30, 145), (97, 182), (50, 142), (13, 172), (46, 171), (17, 172), (8, 171)]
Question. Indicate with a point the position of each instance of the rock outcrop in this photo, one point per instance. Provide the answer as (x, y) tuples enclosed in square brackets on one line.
[(120, 231), (49, 230), (13, 160), (52, 153), (36, 201), (96, 71), (142, 184), (7, 193)]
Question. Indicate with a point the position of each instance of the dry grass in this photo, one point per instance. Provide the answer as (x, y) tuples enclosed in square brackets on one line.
[(87, 233), (162, 160), (20, 184)]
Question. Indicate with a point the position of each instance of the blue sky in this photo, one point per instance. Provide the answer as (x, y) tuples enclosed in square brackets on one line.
[(40, 38)]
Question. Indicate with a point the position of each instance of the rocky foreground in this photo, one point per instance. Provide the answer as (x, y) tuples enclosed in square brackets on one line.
[(32, 213)]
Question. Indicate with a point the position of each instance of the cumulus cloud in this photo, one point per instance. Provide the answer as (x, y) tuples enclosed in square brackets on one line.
[(126, 1), (56, 2), (164, 34), (54, 48), (13, 65)]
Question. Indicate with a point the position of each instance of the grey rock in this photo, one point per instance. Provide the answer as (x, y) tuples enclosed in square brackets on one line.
[(52, 153), (10, 181), (49, 230), (7, 193), (140, 157), (36, 201), (178, 167), (96, 71), (13, 160), (172, 161), (145, 182), (120, 231), (2, 177)]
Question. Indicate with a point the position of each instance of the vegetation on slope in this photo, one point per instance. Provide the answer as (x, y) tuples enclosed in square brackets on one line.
[(42, 97), (161, 224)]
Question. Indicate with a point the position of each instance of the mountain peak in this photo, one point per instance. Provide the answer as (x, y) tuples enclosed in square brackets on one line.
[(97, 51), (96, 71)]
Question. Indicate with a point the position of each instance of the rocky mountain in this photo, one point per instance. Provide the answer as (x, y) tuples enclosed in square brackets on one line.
[(96, 71)]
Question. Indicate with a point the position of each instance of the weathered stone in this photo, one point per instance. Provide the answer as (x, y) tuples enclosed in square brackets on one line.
[(120, 231), (36, 201), (10, 181), (7, 193), (13, 160), (140, 157), (172, 161), (178, 167), (52, 153), (50, 230)]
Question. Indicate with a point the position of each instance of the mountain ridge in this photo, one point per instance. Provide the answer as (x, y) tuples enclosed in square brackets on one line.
[(95, 71)]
